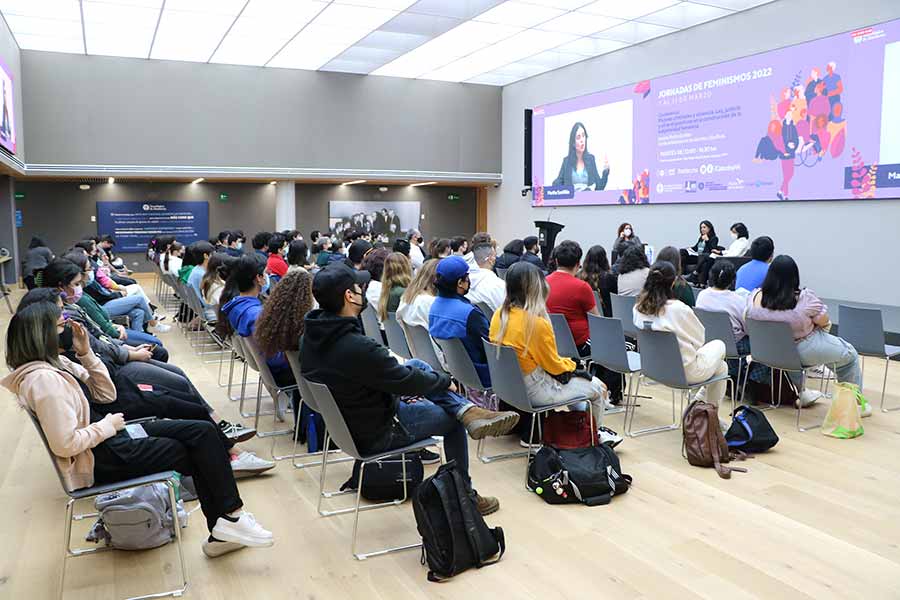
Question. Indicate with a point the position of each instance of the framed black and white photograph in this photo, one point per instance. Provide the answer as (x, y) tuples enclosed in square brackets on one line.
[(384, 221)]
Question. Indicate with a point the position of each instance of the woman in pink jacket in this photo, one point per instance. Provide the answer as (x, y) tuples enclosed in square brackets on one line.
[(91, 450)]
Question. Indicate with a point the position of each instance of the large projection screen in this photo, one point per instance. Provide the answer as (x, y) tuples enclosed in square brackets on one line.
[(814, 121)]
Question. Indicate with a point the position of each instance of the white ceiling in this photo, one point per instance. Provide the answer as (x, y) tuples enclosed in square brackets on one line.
[(491, 42)]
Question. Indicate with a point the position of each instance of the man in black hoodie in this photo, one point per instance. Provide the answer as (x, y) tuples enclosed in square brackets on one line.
[(382, 400)]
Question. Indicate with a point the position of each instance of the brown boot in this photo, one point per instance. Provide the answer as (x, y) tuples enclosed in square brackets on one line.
[(486, 505), (480, 422)]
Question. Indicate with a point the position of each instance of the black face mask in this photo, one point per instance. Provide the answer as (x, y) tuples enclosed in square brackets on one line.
[(365, 302), (420, 239), (65, 338)]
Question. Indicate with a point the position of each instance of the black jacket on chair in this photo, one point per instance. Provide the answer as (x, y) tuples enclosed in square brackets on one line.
[(363, 377), (590, 165)]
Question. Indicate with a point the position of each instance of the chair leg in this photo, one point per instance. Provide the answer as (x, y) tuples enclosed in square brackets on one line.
[(67, 540), (887, 363), (178, 541), (800, 406), (528, 451), (629, 428)]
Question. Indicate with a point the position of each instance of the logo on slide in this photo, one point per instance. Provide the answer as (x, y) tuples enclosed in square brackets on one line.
[(146, 207)]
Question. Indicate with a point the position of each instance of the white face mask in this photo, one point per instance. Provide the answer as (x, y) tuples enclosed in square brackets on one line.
[(733, 235), (627, 232)]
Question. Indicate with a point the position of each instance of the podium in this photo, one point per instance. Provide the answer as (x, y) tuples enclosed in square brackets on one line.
[(547, 232)]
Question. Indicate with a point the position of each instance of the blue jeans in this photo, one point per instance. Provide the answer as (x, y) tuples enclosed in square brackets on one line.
[(822, 348), (439, 414), (136, 338), (135, 307)]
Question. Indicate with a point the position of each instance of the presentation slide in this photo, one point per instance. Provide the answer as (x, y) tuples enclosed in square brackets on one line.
[(813, 121), (133, 224), (7, 114)]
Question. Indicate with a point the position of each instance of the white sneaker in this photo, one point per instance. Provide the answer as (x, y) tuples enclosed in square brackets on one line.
[(534, 446), (216, 548), (819, 372), (609, 437), (248, 464), (701, 394), (865, 408), (245, 531), (808, 398), (161, 328)]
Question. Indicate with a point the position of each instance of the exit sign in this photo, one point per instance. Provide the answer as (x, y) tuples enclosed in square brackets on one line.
[(20, 195), (453, 197), (223, 196)]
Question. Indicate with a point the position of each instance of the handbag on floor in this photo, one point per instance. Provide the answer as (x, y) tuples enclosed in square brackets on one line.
[(136, 519), (591, 475), (843, 419), (569, 429), (703, 442), (383, 480), (750, 431), (454, 535)]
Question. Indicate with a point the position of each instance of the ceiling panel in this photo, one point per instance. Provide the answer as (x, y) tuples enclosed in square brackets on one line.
[(489, 42)]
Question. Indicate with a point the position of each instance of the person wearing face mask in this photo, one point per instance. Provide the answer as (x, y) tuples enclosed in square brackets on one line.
[(373, 390), (416, 255), (233, 243), (484, 285), (740, 244), (453, 316), (624, 237), (278, 247)]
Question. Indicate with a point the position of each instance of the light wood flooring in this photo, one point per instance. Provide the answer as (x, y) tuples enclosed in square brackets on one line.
[(814, 518)]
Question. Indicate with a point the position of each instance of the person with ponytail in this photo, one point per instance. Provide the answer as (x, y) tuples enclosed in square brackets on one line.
[(657, 308), (522, 323)]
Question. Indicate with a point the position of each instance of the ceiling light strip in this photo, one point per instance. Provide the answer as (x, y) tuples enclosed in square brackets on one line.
[(156, 29), (227, 31)]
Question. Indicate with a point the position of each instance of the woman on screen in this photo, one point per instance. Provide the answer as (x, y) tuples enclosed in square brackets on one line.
[(579, 168)]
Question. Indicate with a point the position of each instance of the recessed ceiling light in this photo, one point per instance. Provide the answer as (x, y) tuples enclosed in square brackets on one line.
[(272, 182), (111, 180), (354, 182), (382, 189), (84, 186), (198, 180), (422, 183)]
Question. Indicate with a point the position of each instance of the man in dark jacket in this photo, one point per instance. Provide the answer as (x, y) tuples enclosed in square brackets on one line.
[(380, 399), (532, 247)]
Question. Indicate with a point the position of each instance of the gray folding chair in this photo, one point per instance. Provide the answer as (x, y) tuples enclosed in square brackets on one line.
[(258, 363), (863, 328), (501, 273), (661, 361), (488, 312), (774, 346), (421, 346), (370, 324), (608, 350), (167, 477), (337, 428), (509, 385), (565, 342), (395, 337), (717, 325), (623, 309)]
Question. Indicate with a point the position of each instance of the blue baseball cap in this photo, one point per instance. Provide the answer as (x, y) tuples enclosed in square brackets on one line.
[(451, 269)]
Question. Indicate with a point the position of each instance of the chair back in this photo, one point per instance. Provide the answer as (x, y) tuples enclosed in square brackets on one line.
[(623, 309), (334, 420), (507, 380), (395, 337), (50, 455), (293, 358), (773, 345), (608, 343), (661, 358), (460, 363), (501, 273), (718, 327), (370, 324), (598, 300), (483, 307), (265, 374), (421, 347), (863, 328), (565, 342)]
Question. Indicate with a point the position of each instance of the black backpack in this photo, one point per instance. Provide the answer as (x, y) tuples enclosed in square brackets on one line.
[(589, 475), (750, 431), (383, 480), (454, 535)]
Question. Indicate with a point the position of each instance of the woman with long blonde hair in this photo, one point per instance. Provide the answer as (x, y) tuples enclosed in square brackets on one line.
[(522, 323), (395, 278)]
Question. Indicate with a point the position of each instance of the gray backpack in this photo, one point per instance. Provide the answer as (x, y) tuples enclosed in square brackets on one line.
[(136, 519)]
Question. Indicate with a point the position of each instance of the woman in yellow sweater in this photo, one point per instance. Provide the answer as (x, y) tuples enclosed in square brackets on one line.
[(522, 323)]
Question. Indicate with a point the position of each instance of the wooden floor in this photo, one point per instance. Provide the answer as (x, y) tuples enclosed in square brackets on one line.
[(814, 518)]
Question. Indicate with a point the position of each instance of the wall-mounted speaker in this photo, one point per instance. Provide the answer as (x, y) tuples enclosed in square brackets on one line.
[(528, 114)]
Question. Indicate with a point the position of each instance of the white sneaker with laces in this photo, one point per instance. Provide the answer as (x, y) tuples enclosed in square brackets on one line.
[(161, 328), (243, 530), (808, 398), (609, 437), (247, 464), (819, 372)]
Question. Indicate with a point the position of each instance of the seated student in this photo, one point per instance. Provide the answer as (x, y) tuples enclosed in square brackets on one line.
[(719, 297), (596, 272), (574, 299), (658, 307), (37, 257), (459, 246), (439, 248), (275, 264), (94, 450), (298, 256), (531, 252), (682, 290), (633, 269), (704, 246), (415, 303), (512, 253), (102, 272), (323, 250), (173, 260), (625, 236), (67, 274), (452, 316), (522, 323), (118, 271), (202, 252), (356, 253), (782, 299), (484, 285), (394, 280), (740, 244), (373, 390), (260, 243), (213, 283), (230, 243), (374, 265), (751, 275)]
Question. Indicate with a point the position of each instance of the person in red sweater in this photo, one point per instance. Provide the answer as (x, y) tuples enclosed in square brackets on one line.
[(278, 247)]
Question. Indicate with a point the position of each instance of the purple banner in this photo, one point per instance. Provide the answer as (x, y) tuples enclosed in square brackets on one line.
[(814, 121)]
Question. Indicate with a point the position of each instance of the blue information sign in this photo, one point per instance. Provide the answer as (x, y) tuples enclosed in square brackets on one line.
[(133, 224)]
